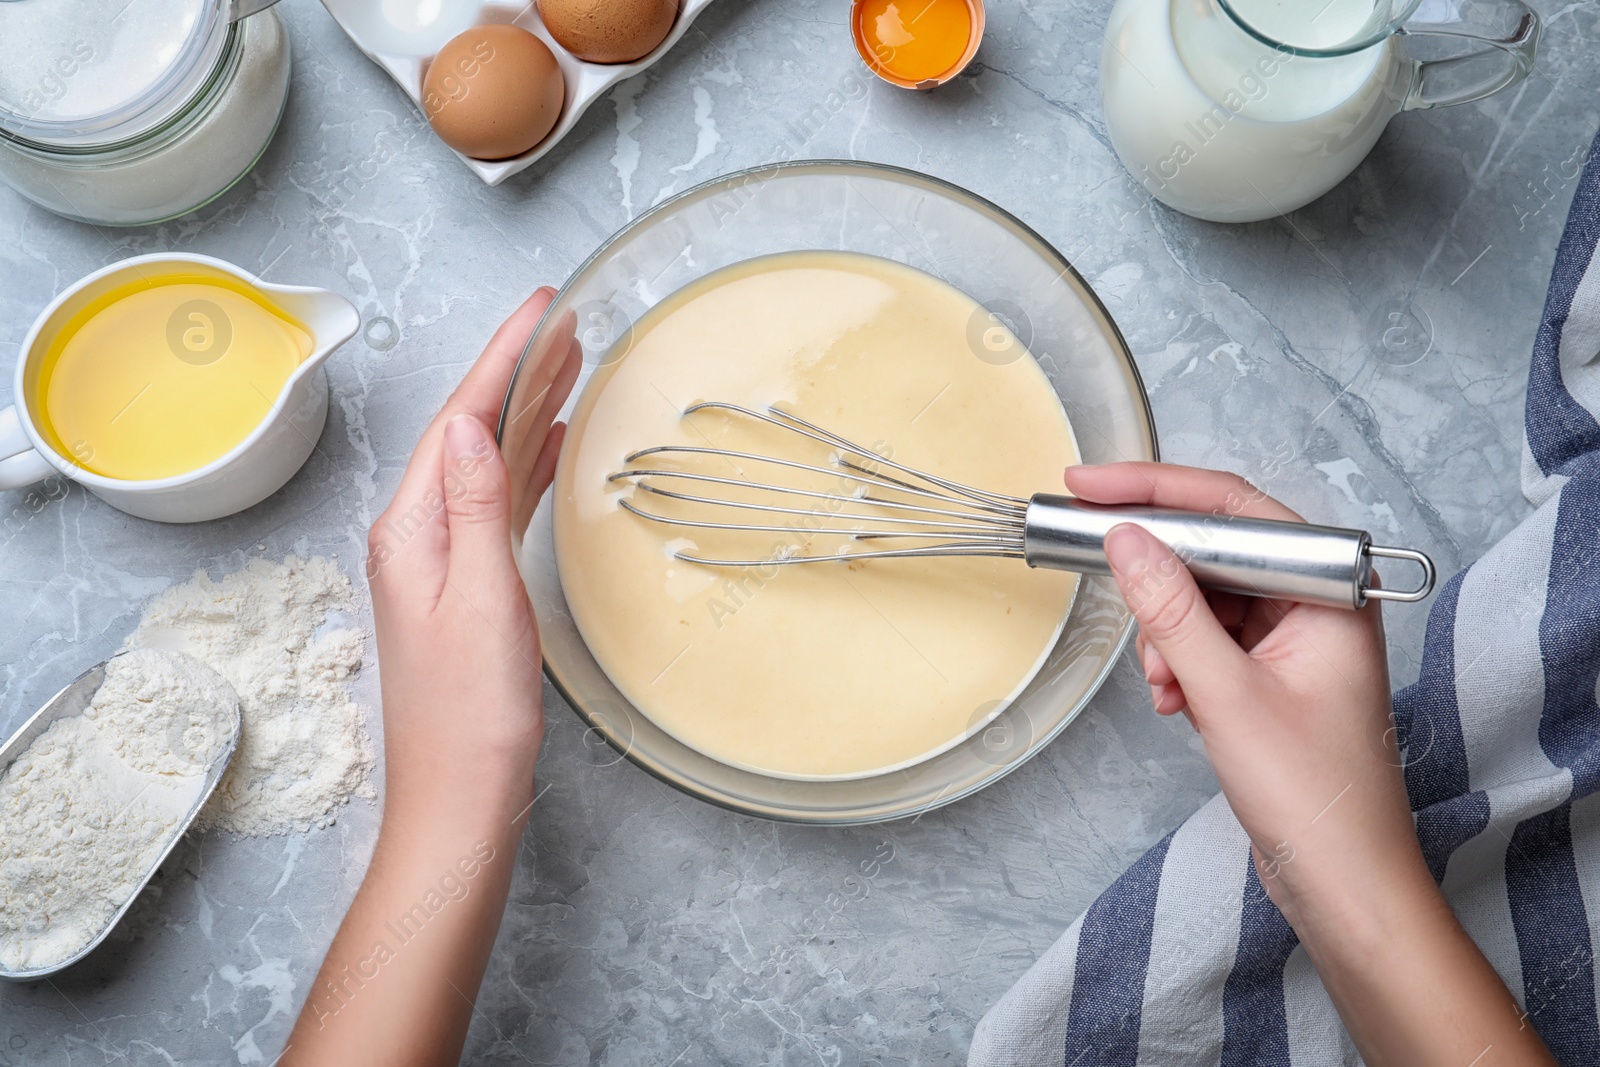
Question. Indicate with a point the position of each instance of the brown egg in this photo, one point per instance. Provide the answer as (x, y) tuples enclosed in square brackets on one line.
[(493, 92), (609, 31)]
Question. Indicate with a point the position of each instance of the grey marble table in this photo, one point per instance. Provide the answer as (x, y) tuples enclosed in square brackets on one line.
[(1363, 359)]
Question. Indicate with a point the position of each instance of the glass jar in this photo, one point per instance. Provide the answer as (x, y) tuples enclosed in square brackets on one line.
[(136, 118)]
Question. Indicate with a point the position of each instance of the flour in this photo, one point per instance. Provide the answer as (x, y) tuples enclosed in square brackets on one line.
[(270, 630), (159, 712), (89, 807), (84, 58)]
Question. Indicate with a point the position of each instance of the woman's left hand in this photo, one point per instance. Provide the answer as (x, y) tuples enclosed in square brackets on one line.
[(463, 716), (457, 640)]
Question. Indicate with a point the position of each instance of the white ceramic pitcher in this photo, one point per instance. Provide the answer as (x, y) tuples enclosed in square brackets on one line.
[(250, 472), (1238, 110)]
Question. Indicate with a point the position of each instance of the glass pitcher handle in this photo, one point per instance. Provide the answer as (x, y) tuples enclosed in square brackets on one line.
[(1510, 29)]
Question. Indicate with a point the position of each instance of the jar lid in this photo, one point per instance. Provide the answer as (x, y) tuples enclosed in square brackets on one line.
[(95, 70)]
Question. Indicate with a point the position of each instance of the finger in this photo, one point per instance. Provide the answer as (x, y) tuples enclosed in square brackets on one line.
[(415, 533), (1170, 486), (478, 506), (1173, 614), (527, 430), (544, 468), (483, 391), (1247, 618), (1169, 699), (551, 365), (1156, 670), (1230, 609), (525, 501), (481, 394), (1262, 618)]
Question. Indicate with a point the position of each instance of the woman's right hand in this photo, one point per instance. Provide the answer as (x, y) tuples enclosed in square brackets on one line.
[(1291, 700), (1292, 703)]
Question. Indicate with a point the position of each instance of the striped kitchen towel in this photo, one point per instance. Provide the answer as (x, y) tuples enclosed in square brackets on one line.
[(1184, 960)]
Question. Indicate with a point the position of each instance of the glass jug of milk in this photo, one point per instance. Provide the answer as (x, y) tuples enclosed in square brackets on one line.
[(1238, 110)]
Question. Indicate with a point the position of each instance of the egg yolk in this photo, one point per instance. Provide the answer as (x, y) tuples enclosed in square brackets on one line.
[(913, 40)]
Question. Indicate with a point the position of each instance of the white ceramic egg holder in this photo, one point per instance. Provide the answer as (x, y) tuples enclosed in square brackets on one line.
[(585, 82)]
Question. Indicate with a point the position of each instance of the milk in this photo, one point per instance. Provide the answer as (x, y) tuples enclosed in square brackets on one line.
[(1221, 126)]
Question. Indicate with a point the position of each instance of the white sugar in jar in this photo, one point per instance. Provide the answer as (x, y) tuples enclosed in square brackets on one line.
[(136, 118)]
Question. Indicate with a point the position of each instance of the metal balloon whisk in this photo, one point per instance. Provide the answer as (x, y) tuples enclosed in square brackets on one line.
[(901, 512)]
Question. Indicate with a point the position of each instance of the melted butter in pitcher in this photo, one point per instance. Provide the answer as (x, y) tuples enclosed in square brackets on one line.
[(165, 375)]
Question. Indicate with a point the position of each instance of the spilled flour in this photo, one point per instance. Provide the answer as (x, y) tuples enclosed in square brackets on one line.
[(273, 631), (93, 802)]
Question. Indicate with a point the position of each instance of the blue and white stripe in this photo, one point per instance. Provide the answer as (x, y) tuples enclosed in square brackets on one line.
[(1185, 960)]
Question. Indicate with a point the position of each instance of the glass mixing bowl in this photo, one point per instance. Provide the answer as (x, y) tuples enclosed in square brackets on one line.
[(913, 219)]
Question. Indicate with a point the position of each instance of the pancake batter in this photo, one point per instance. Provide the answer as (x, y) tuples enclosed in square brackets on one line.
[(819, 670)]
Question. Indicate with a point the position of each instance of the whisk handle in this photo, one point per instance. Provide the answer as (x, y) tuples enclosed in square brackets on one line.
[(1311, 564)]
